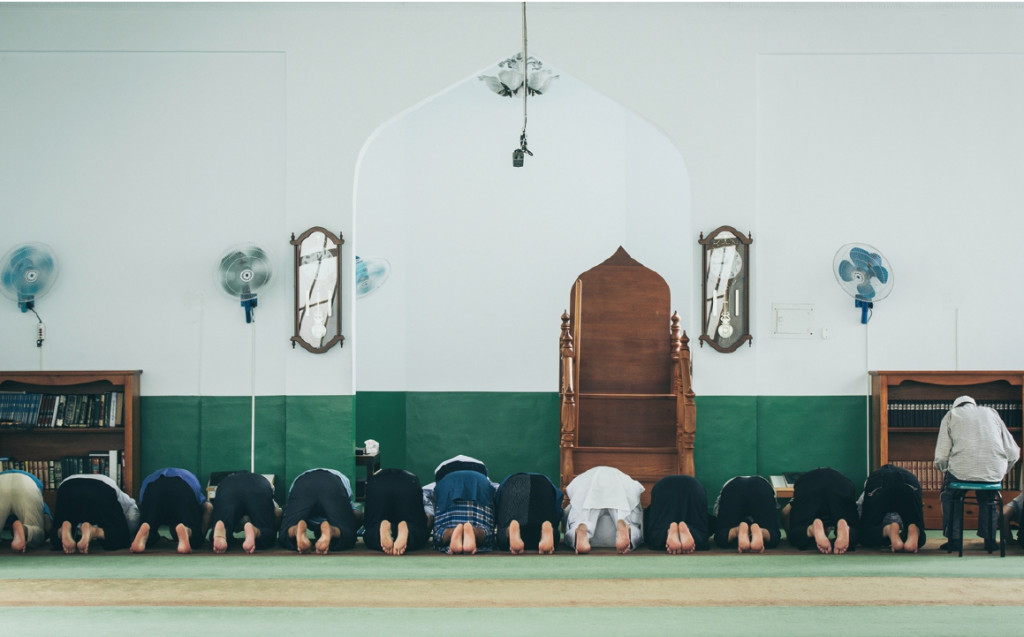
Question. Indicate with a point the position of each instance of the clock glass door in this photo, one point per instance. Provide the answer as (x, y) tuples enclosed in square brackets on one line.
[(726, 316)]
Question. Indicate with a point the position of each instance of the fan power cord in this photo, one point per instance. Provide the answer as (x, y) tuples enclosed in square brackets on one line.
[(40, 329)]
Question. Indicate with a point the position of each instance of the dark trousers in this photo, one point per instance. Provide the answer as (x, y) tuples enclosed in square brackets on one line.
[(246, 494), (823, 494), (988, 514), (319, 495), (890, 489), (170, 500), (531, 500), (749, 499), (87, 500), (677, 499), (394, 495)]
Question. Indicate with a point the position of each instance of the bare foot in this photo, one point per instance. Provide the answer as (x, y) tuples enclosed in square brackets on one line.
[(547, 539), (139, 544), (468, 539), (757, 538), (743, 538), (913, 538), (455, 545), (86, 539), (251, 533), (402, 539), (67, 539), (516, 546), (817, 531), (387, 541), (220, 538), (892, 531), (90, 533), (184, 535), (622, 543), (686, 538), (843, 537), (18, 543), (302, 543), (673, 544), (582, 541), (327, 535)]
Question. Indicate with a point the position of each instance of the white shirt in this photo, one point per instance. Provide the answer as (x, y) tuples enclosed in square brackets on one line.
[(604, 488), (599, 491), (974, 444)]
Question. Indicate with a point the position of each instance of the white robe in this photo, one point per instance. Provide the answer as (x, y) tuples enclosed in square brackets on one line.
[(599, 496)]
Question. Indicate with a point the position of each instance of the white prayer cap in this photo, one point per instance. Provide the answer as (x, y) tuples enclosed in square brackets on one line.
[(459, 458), (962, 400)]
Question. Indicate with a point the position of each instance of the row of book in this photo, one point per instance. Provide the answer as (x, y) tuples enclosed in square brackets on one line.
[(929, 413), (51, 472), (931, 478), (25, 410)]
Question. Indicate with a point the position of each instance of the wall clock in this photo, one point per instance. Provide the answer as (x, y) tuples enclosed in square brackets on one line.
[(318, 290), (725, 289)]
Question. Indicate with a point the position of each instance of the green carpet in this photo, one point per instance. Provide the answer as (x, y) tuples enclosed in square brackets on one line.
[(643, 564), (872, 621), (930, 569)]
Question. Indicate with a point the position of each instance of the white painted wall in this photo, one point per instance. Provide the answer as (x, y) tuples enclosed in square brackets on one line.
[(921, 157), (483, 254), (780, 112), (140, 170)]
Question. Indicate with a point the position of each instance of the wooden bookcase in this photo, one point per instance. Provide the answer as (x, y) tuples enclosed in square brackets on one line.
[(54, 443), (907, 408)]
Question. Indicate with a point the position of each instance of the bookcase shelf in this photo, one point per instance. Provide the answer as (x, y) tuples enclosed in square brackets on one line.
[(907, 408), (108, 421)]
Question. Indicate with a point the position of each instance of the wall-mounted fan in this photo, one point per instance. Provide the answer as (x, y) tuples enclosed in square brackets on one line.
[(864, 274), (27, 272), (242, 271), (371, 273)]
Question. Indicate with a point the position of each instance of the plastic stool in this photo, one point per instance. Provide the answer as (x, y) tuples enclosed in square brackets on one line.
[(960, 490)]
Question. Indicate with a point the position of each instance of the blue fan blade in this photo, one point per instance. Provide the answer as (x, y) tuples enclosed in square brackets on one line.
[(30, 257), (860, 257), (43, 263), (25, 260), (361, 274), (865, 259), (881, 273), (846, 270), (9, 279), (865, 291), (25, 252)]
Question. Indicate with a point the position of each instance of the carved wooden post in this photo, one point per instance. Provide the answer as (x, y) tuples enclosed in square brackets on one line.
[(686, 408), (568, 393)]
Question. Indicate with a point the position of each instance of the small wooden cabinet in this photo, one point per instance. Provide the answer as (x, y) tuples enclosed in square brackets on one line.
[(112, 427), (907, 408)]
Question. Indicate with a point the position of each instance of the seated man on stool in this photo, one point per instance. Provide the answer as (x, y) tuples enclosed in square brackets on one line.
[(973, 446)]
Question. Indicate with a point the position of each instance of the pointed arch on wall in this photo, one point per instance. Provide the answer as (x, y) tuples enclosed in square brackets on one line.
[(482, 253)]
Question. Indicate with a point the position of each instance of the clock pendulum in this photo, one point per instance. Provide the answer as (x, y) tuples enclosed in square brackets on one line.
[(725, 329)]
